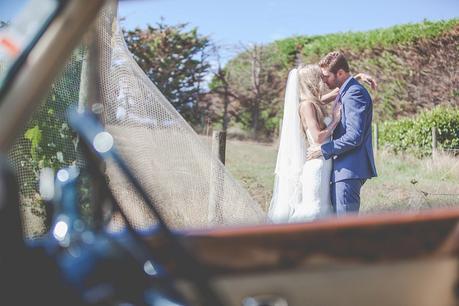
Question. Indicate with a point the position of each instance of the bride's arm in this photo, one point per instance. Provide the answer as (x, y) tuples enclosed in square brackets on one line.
[(367, 79), (329, 97), (310, 122)]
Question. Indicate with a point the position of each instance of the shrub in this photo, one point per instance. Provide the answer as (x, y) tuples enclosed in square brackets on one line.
[(414, 135)]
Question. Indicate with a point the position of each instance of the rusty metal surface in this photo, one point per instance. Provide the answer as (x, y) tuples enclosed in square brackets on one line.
[(353, 240)]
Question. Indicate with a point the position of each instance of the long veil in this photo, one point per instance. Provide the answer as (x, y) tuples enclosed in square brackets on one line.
[(290, 157)]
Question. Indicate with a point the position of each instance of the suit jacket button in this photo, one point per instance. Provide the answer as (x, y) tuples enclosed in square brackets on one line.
[(335, 157)]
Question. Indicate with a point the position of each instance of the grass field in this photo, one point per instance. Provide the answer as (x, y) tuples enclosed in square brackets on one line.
[(404, 182)]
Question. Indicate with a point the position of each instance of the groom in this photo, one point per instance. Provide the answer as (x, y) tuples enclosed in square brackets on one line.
[(351, 147)]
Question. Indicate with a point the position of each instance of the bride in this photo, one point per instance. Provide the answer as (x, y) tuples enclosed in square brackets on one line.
[(302, 188)]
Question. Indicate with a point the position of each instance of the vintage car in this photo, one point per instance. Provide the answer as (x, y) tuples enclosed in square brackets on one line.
[(143, 214)]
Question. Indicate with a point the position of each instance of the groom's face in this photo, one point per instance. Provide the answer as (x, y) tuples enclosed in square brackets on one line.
[(329, 78)]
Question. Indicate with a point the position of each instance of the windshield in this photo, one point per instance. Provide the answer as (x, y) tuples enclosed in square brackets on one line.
[(21, 23)]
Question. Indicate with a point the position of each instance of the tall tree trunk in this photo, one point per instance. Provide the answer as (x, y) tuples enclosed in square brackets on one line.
[(255, 119), (225, 108)]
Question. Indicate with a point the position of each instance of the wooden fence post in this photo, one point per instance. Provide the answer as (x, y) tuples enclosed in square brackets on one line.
[(434, 142), (219, 145), (217, 178)]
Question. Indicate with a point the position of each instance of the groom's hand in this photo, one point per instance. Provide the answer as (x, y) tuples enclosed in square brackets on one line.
[(313, 152)]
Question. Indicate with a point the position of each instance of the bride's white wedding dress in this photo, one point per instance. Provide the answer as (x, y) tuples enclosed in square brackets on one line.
[(315, 199), (301, 188)]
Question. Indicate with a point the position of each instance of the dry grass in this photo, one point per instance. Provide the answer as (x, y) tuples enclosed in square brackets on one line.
[(253, 165), (405, 183)]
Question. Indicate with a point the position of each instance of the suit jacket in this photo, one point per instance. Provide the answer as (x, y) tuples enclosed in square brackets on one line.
[(351, 147)]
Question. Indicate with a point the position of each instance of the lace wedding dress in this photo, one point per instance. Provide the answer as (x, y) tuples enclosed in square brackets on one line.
[(301, 188), (315, 184)]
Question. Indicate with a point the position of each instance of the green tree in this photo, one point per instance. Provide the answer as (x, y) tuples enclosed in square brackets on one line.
[(414, 64), (175, 59), (255, 79), (220, 87)]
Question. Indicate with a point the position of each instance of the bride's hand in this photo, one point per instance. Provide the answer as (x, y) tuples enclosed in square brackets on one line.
[(313, 152), (367, 79)]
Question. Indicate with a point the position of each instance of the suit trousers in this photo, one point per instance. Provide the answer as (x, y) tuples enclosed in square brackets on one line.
[(345, 196)]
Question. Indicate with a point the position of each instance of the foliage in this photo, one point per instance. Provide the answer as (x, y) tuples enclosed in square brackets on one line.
[(34, 136), (391, 98), (289, 48), (47, 140), (414, 64), (254, 78), (50, 138), (175, 59), (414, 135), (313, 47)]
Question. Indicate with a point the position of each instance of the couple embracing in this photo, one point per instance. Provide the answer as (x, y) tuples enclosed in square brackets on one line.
[(325, 151)]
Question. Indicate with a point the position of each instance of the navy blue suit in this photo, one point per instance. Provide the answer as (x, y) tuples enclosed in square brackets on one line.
[(351, 148)]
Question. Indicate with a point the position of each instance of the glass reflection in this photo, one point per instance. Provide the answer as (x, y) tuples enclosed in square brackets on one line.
[(20, 22)]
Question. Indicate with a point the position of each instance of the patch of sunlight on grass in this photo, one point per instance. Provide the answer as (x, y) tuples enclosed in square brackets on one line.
[(404, 183)]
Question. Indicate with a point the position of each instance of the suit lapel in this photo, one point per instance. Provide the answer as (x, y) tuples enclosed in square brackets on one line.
[(351, 82), (338, 132)]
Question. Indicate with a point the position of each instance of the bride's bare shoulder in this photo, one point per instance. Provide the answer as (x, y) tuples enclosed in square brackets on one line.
[(306, 106), (307, 111)]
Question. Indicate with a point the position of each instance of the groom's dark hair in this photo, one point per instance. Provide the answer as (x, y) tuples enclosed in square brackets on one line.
[(334, 61)]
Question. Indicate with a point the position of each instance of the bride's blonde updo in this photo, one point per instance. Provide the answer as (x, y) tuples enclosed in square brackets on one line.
[(310, 83)]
